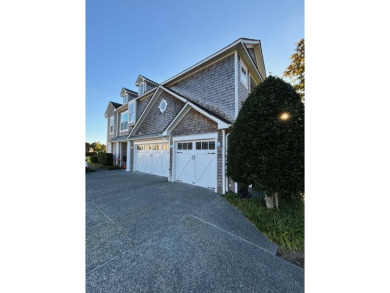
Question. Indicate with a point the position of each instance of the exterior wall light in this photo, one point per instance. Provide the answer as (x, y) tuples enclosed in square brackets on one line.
[(284, 116)]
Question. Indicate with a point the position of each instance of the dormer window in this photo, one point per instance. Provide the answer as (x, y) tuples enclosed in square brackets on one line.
[(142, 88), (125, 98)]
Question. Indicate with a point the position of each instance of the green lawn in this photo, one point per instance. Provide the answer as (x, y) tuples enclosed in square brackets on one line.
[(284, 227)]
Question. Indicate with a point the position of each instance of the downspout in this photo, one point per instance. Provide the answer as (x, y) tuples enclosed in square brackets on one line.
[(226, 178), (223, 162)]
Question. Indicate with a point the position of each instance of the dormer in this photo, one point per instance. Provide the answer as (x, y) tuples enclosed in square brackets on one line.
[(144, 84), (127, 95)]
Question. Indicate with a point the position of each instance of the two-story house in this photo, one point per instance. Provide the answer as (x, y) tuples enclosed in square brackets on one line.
[(180, 128)]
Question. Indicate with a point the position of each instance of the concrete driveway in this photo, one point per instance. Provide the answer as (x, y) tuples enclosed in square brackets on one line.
[(144, 234)]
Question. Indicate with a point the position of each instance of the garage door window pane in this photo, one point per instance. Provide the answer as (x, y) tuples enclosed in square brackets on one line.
[(211, 145), (205, 145), (198, 145), (180, 146), (184, 146), (190, 145)]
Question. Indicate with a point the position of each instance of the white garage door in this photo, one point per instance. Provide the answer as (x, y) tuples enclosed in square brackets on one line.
[(152, 158), (196, 163)]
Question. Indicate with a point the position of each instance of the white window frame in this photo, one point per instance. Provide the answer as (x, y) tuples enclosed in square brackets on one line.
[(112, 120), (127, 121), (132, 102), (143, 86), (246, 82), (125, 99)]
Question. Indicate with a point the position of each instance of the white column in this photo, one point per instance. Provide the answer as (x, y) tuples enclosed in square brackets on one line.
[(128, 156), (117, 153)]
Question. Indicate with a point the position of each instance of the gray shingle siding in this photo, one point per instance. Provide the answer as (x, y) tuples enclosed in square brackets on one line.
[(141, 105), (242, 90), (211, 87), (149, 86), (156, 121)]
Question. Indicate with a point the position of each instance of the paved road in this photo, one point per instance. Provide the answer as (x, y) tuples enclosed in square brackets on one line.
[(144, 234)]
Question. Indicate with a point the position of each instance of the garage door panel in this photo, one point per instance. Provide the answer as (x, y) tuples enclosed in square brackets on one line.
[(205, 168), (185, 169)]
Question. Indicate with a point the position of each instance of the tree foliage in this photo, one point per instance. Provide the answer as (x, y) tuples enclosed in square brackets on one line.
[(296, 69), (264, 149)]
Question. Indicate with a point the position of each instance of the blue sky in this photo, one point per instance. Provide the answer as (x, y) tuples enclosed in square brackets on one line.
[(159, 39)]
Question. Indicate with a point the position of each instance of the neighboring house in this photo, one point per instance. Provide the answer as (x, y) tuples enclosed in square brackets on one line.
[(180, 128)]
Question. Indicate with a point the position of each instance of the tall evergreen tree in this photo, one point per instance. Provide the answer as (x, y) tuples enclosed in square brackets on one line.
[(266, 146)]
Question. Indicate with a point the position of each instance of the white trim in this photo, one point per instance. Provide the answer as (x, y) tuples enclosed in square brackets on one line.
[(128, 154), (174, 94), (183, 112), (221, 124), (196, 137), (155, 141), (235, 85)]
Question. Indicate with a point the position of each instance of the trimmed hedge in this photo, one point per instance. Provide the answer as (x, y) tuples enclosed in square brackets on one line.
[(94, 159), (106, 159), (91, 154)]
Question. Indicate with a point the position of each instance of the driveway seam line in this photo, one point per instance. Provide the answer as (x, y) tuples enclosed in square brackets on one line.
[(161, 231), (103, 264), (231, 234), (116, 226)]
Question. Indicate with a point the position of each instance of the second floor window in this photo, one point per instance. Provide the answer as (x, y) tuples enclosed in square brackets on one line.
[(112, 124), (132, 111), (244, 75), (124, 120)]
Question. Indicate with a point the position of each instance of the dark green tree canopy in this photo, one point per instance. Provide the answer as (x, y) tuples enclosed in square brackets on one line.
[(266, 146)]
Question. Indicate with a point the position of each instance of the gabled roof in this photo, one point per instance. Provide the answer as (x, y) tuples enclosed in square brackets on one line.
[(222, 123), (142, 78), (113, 104), (239, 46), (125, 90)]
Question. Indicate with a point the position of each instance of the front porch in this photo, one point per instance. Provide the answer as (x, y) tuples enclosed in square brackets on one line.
[(120, 148)]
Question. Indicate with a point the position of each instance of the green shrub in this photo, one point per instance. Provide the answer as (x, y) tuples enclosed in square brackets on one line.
[(94, 159), (91, 154), (106, 159)]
